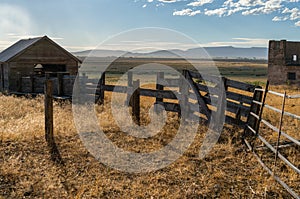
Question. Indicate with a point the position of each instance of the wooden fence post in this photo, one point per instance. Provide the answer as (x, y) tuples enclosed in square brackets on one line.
[(19, 82), (129, 85), (136, 102), (101, 92), (159, 78), (60, 85), (49, 121), (32, 82), (184, 91)]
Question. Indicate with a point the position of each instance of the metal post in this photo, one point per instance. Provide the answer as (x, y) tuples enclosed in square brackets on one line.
[(280, 127)]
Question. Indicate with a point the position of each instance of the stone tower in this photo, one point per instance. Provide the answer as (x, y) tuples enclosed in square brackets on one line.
[(284, 62)]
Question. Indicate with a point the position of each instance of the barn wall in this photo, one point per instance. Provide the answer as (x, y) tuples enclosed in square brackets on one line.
[(43, 52), (6, 76), (1, 77)]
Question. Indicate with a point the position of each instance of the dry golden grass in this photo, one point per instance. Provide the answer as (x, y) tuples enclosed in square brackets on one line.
[(26, 170)]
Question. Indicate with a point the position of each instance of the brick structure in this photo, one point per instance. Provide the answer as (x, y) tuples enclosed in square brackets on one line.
[(284, 62)]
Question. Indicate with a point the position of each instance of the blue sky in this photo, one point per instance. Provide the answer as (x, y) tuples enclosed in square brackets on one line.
[(80, 25)]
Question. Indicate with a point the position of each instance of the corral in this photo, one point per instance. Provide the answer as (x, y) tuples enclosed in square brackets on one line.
[(245, 108)]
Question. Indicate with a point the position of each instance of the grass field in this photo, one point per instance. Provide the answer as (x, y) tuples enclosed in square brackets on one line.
[(242, 70), (228, 171)]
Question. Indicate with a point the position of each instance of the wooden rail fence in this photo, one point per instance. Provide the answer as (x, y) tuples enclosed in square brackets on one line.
[(204, 92)]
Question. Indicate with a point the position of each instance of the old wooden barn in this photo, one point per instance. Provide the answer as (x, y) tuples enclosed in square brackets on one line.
[(34, 56)]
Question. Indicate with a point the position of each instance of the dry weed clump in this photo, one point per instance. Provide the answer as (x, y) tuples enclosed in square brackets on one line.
[(26, 169)]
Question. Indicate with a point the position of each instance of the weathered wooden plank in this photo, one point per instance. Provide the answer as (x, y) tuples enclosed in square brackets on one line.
[(228, 120), (169, 82), (201, 102), (229, 94), (230, 106), (240, 85), (208, 89), (205, 77), (173, 107), (112, 88), (160, 94), (239, 97)]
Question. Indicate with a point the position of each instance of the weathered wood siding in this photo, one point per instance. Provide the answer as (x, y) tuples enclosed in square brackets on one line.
[(1, 77), (6, 76), (43, 52)]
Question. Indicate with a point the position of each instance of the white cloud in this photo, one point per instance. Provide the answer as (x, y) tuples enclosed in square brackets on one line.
[(277, 18), (266, 7), (297, 23), (14, 19), (234, 10), (220, 12), (186, 12), (243, 3), (200, 2), (294, 13), (145, 5), (241, 42), (168, 1), (282, 10)]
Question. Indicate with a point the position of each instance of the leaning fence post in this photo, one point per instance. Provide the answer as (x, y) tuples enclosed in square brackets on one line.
[(136, 102), (49, 121)]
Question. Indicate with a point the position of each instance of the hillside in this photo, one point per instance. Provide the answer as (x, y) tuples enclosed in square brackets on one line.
[(194, 53)]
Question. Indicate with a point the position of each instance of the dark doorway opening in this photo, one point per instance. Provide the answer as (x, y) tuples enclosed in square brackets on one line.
[(41, 69), (54, 68)]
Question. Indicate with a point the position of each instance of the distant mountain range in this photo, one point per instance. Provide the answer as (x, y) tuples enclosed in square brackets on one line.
[(224, 52)]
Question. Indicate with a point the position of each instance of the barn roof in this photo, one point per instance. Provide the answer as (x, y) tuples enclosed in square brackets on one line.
[(20, 46)]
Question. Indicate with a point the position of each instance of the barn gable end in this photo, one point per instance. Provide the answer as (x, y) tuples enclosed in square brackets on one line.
[(22, 57)]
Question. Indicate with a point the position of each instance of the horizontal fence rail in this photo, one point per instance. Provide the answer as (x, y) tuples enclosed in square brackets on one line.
[(254, 131)]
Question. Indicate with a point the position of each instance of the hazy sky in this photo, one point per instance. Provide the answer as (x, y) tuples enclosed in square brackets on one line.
[(79, 25)]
